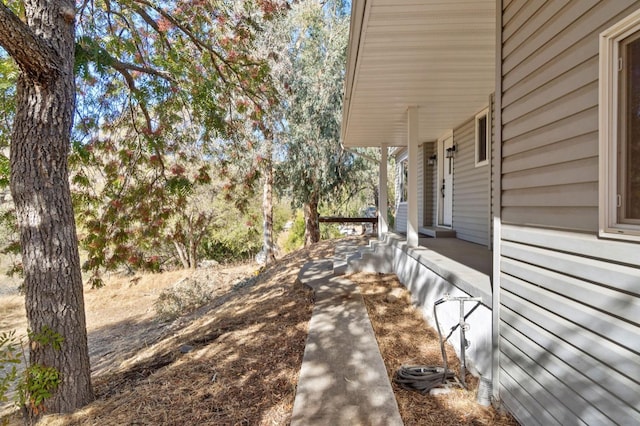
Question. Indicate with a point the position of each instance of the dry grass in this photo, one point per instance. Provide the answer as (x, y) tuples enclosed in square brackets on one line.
[(236, 360), (245, 352), (405, 339)]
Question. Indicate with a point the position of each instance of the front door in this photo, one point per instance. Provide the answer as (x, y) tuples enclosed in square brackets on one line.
[(445, 174)]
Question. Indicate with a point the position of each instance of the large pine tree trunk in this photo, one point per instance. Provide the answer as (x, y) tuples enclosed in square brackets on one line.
[(311, 221), (40, 190)]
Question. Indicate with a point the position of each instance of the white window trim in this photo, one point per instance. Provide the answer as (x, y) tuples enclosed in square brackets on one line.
[(402, 162), (483, 113), (608, 129), (404, 181)]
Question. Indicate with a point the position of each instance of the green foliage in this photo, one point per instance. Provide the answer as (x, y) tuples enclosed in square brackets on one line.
[(159, 58), (47, 337), (38, 385), (37, 382), (315, 167), (282, 212), (295, 239), (10, 356), (162, 87), (239, 240)]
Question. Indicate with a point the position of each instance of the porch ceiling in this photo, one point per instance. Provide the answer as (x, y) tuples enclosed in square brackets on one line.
[(438, 55)]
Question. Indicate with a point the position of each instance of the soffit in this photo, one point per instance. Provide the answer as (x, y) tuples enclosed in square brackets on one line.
[(436, 55)]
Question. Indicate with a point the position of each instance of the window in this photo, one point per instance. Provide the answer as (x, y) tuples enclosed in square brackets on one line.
[(620, 129), (482, 138), (404, 181)]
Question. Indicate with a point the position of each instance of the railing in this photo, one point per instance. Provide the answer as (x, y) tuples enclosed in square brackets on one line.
[(361, 220)]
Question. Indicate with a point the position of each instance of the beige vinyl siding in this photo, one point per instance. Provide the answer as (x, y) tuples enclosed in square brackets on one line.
[(569, 328), (401, 218), (471, 196), (569, 301), (550, 111)]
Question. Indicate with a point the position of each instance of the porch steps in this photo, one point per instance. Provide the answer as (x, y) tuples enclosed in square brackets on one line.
[(347, 253), (373, 258), (437, 232)]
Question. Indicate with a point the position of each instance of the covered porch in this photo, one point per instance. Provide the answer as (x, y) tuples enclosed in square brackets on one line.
[(416, 70), (419, 73)]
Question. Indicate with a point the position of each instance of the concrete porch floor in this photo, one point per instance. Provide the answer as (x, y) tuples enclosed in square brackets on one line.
[(474, 256), (466, 265)]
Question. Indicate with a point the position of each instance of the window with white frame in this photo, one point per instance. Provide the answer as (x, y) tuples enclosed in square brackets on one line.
[(404, 180), (482, 138), (620, 129)]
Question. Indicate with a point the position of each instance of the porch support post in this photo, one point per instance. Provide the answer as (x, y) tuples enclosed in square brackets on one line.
[(383, 221), (412, 187)]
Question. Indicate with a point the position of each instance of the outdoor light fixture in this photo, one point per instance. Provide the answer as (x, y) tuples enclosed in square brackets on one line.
[(450, 151), (432, 160)]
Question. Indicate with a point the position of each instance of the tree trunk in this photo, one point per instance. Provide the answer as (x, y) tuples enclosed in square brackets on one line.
[(182, 254), (311, 222), (193, 252), (267, 214), (40, 189)]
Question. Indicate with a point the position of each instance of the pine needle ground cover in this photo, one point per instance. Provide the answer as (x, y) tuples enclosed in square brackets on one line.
[(235, 360), (404, 338)]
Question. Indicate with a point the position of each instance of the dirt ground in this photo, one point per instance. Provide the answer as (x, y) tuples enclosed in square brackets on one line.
[(235, 361)]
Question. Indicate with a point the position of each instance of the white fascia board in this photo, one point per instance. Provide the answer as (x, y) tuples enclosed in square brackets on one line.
[(356, 37)]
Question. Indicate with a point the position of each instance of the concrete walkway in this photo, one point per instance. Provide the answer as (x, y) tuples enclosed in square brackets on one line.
[(343, 380)]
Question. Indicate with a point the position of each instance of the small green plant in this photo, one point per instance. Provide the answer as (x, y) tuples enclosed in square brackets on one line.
[(10, 355), (47, 337), (37, 382)]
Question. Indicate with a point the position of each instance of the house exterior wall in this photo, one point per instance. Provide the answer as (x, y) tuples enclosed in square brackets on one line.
[(569, 301), (471, 196)]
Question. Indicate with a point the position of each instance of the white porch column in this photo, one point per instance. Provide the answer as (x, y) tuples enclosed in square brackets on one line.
[(383, 221), (412, 187)]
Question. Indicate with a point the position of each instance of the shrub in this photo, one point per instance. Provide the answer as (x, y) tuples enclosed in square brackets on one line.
[(185, 296), (295, 239)]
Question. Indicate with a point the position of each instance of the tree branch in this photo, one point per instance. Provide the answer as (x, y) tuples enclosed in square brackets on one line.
[(32, 54), (123, 67)]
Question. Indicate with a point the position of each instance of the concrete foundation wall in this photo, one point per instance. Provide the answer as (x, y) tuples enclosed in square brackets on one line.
[(426, 287)]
